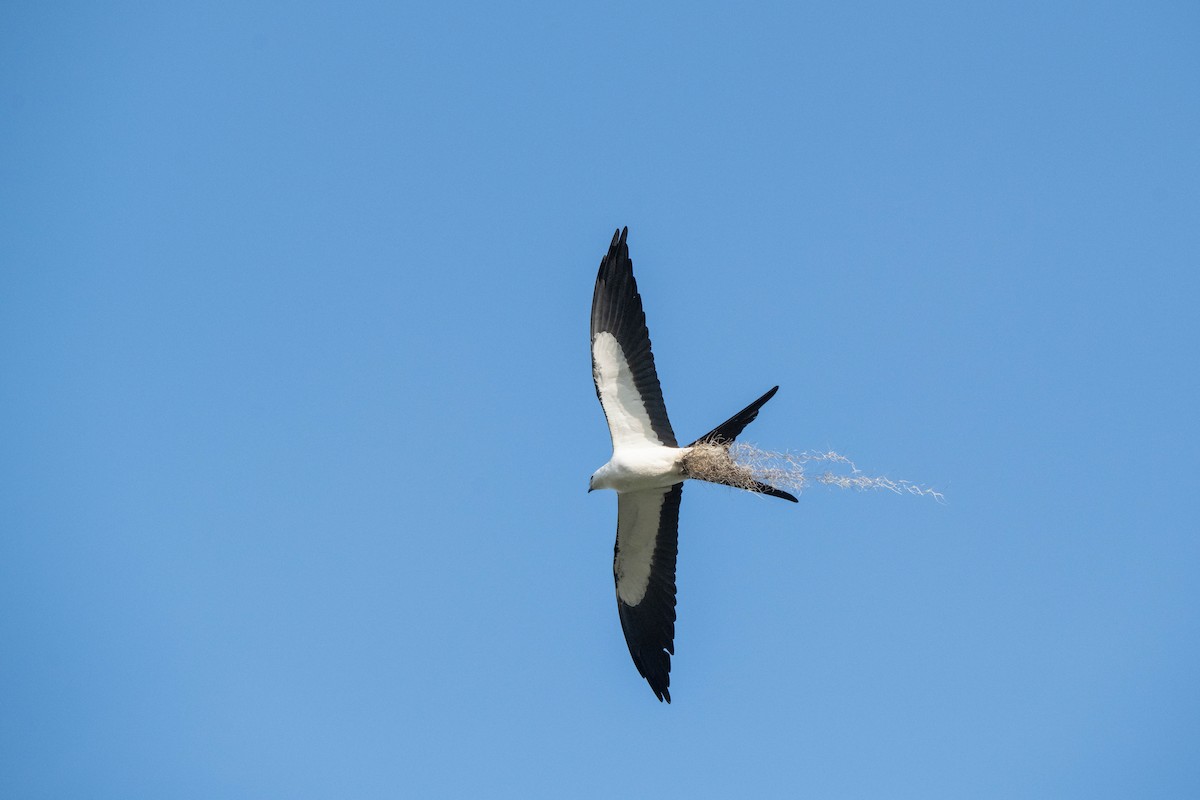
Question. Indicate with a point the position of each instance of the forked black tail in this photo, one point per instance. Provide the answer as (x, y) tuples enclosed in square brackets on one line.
[(727, 432)]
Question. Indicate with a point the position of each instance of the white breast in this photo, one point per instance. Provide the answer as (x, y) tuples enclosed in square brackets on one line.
[(632, 469)]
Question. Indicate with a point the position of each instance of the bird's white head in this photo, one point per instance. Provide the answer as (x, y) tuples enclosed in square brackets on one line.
[(599, 479)]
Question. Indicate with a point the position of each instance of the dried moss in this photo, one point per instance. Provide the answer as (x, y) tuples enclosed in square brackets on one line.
[(744, 466)]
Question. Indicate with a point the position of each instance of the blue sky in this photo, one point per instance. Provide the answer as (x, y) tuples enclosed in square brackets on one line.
[(299, 417)]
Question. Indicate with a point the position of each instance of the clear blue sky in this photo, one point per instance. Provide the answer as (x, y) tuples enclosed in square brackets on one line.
[(298, 414)]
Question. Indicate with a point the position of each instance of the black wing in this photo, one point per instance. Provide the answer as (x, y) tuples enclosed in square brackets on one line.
[(644, 571), (622, 364)]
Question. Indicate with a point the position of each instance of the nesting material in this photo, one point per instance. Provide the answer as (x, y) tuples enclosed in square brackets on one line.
[(715, 463), (743, 466)]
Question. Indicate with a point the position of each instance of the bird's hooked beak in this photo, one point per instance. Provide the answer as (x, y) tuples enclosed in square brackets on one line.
[(590, 487)]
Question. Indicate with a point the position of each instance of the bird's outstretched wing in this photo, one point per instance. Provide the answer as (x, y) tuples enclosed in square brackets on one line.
[(622, 364), (644, 570)]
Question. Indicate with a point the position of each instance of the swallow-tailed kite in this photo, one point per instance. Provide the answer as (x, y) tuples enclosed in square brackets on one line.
[(647, 468)]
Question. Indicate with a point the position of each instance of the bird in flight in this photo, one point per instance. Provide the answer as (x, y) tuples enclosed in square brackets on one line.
[(648, 467)]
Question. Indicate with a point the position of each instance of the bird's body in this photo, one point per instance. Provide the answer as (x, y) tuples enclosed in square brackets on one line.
[(648, 467), (633, 468)]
